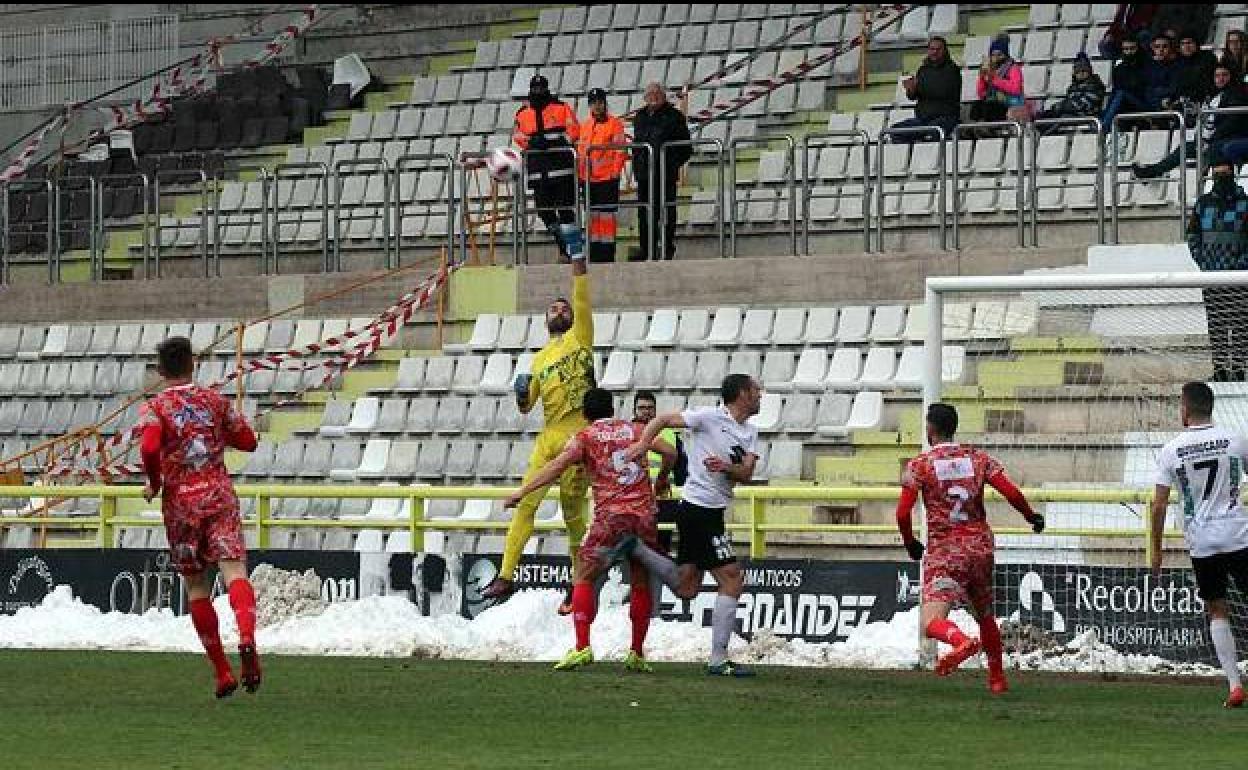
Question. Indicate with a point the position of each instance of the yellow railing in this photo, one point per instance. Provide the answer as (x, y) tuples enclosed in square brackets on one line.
[(416, 523)]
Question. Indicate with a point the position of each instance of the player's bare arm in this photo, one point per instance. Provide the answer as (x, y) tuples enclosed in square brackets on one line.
[(652, 431), (545, 477), (741, 472), (1161, 501)]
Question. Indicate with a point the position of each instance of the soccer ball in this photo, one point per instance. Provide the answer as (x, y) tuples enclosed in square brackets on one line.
[(503, 163)]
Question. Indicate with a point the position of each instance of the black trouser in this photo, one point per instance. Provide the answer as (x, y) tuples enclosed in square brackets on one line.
[(649, 240), (1226, 309), (988, 112), (555, 201)]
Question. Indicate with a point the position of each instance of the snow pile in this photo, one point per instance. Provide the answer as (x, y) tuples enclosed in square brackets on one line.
[(525, 628), (283, 594)]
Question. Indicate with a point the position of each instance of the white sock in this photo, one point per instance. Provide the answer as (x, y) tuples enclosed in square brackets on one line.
[(1224, 644), (723, 618)]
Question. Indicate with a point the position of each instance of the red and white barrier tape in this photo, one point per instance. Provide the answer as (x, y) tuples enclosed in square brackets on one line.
[(880, 21), (384, 326), (21, 161)]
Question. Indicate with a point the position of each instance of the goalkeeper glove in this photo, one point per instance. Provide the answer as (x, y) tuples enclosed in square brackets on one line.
[(915, 549), (1036, 521), (521, 386)]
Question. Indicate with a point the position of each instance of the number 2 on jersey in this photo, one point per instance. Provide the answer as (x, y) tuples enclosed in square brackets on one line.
[(629, 470), (961, 496)]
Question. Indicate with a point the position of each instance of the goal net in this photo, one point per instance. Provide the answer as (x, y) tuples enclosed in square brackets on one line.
[(1072, 380)]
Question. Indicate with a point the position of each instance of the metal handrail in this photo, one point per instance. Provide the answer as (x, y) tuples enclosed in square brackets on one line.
[(662, 211), (52, 213), (469, 161), (97, 223), (54, 266), (203, 216), (623, 204), (276, 241), (815, 140), (1200, 137), (1033, 174), (1019, 212), (762, 141), (355, 163), (522, 196), (422, 161), (1178, 119), (943, 184)]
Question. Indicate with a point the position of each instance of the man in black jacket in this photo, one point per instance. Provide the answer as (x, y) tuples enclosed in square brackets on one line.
[(937, 91), (656, 125), (1195, 71), (1217, 131)]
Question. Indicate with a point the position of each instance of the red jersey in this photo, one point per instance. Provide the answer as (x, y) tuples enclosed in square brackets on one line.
[(951, 479), (196, 425), (620, 487)]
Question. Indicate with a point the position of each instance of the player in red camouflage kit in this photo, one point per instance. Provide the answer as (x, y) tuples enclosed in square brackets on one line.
[(958, 563), (624, 505), (186, 430)]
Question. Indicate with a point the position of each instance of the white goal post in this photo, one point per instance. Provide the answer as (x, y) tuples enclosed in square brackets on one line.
[(1072, 378)]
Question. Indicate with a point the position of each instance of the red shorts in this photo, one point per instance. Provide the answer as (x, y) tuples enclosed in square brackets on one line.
[(203, 530), (608, 530), (959, 576)]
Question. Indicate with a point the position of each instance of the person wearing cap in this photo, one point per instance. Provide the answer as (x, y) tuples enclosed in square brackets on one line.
[(542, 125), (602, 169), (657, 125), (1000, 84), (1085, 96), (1217, 237)]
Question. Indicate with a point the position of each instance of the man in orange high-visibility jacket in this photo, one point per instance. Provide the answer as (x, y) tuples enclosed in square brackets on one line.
[(603, 169), (544, 124)]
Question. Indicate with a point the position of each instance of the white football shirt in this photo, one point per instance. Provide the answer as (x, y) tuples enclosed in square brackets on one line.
[(714, 432), (1206, 463)]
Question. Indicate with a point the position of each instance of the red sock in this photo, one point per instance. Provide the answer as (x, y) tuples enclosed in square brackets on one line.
[(243, 600), (584, 608), (945, 630), (639, 613), (204, 617), (990, 635)]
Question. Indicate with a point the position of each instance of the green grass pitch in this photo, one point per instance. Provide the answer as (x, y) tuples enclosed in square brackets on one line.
[(104, 710)]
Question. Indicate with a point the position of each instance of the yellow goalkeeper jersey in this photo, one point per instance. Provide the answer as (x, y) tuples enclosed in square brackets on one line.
[(564, 370)]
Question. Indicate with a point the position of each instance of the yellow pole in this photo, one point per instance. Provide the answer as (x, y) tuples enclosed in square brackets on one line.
[(417, 531), (264, 505), (108, 512), (758, 540)]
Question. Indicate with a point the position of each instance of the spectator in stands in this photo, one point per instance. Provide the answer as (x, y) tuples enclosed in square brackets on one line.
[(1235, 53), (1000, 86), (1129, 81), (1172, 19), (1223, 135), (1162, 86), (602, 168), (937, 91), (657, 125), (543, 125), (1085, 96), (1129, 22), (1217, 236), (1195, 70)]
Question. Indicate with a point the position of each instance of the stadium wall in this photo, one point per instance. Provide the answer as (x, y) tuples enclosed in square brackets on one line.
[(775, 280)]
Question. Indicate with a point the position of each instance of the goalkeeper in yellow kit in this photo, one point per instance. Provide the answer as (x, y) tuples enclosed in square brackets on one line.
[(563, 372)]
